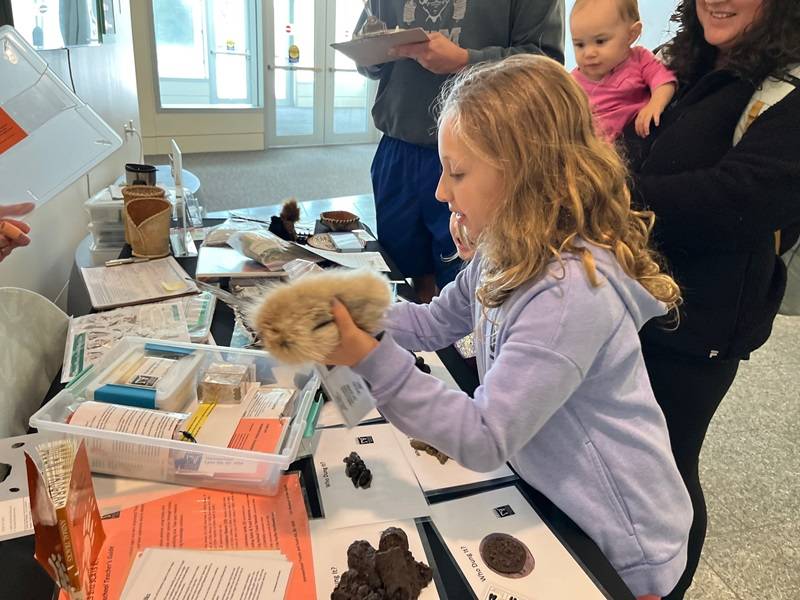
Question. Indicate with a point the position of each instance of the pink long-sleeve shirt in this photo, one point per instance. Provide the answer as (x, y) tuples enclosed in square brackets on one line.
[(619, 96)]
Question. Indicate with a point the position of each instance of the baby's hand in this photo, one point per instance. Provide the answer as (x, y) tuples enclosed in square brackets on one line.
[(650, 113)]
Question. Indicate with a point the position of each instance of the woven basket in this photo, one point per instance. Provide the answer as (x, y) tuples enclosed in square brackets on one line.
[(129, 192), (148, 226)]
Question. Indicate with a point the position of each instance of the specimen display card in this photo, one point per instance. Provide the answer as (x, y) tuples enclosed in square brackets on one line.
[(394, 492), (505, 544), (433, 476), (330, 551)]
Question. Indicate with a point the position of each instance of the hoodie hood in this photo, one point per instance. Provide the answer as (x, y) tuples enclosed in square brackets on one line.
[(640, 303)]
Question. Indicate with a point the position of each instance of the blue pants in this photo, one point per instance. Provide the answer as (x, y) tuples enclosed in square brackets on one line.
[(413, 227)]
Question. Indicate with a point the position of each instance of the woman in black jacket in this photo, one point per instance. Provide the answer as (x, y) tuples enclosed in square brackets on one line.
[(717, 207)]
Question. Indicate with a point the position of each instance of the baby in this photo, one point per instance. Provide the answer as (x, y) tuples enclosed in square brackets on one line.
[(622, 82)]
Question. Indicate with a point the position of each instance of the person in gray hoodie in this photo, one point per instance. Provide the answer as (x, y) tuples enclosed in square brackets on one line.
[(562, 281), (412, 226)]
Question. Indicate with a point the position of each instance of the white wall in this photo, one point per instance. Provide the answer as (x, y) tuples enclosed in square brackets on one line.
[(104, 78), (206, 130)]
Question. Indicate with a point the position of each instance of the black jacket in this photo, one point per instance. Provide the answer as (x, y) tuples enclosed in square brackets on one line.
[(716, 208)]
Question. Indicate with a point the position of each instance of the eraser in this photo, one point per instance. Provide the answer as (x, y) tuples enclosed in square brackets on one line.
[(12, 232)]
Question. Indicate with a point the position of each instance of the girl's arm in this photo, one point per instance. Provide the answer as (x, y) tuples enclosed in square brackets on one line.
[(545, 355), (436, 325)]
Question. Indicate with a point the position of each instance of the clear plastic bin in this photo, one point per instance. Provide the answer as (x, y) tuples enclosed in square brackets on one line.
[(107, 236), (183, 462), (103, 208)]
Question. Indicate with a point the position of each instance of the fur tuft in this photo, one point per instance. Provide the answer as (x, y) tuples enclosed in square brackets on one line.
[(290, 211), (295, 320)]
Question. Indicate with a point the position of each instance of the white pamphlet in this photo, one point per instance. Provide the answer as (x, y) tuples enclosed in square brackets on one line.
[(166, 573), (15, 517), (549, 571), (348, 392), (91, 337), (394, 492), (433, 476), (330, 551)]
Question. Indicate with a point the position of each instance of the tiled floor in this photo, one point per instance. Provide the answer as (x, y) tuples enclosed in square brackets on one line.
[(751, 473)]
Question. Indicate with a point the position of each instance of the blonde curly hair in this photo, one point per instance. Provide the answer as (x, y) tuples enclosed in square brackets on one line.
[(528, 118)]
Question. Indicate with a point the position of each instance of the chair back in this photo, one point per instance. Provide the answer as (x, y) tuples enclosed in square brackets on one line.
[(33, 334)]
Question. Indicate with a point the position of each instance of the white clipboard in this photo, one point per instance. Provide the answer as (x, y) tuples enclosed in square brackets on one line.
[(373, 49)]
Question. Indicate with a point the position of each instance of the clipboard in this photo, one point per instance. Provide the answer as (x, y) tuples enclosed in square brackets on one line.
[(373, 49)]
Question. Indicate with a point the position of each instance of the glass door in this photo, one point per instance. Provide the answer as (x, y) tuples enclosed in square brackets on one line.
[(349, 95), (314, 95), (295, 97)]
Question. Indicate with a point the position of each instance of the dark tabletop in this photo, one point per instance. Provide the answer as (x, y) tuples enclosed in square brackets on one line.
[(26, 580)]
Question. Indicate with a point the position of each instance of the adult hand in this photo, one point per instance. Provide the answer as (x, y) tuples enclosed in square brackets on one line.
[(13, 232), (354, 343), (438, 55)]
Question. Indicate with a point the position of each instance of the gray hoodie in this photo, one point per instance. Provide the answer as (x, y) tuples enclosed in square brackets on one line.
[(489, 29), (564, 396)]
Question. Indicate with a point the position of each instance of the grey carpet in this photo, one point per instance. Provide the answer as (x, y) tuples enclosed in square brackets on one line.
[(245, 179)]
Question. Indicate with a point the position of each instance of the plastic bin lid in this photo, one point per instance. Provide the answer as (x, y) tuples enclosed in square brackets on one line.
[(48, 136)]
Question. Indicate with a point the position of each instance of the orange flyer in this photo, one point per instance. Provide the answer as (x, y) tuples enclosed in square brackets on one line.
[(260, 435), (10, 132), (209, 519)]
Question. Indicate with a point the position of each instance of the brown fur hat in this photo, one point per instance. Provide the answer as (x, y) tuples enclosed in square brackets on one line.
[(295, 320)]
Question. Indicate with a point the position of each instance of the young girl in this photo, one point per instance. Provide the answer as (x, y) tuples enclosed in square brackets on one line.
[(560, 284), (622, 82)]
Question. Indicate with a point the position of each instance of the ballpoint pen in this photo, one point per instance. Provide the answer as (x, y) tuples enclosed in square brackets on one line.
[(125, 261)]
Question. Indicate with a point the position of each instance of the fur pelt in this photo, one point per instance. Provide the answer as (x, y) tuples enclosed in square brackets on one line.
[(295, 320)]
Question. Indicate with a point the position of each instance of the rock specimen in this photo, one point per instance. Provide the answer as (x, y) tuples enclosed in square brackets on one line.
[(422, 446), (506, 555), (389, 573), (357, 471)]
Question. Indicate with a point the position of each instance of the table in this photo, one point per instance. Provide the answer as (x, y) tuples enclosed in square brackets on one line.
[(31, 582)]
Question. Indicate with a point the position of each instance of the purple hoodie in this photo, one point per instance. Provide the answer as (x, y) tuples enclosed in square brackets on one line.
[(564, 397)]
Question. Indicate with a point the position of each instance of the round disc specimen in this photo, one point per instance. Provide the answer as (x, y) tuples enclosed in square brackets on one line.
[(506, 555)]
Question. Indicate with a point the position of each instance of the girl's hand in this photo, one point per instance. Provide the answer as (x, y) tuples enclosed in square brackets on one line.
[(354, 344)]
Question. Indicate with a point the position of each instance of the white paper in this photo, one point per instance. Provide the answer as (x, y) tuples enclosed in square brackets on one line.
[(166, 573), (348, 392), (394, 492), (91, 337), (434, 476), (555, 573), (15, 518), (136, 283), (354, 260), (330, 551), (374, 49)]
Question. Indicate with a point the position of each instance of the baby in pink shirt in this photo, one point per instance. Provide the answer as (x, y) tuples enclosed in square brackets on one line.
[(622, 82)]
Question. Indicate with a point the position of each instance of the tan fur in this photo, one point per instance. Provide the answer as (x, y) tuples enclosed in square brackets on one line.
[(295, 320)]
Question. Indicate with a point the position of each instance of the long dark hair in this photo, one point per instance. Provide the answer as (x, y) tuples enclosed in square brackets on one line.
[(767, 47)]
